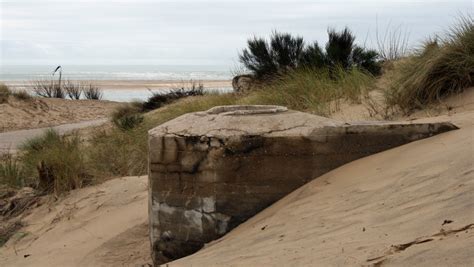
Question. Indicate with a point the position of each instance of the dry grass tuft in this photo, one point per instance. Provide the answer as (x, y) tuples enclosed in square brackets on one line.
[(442, 67)]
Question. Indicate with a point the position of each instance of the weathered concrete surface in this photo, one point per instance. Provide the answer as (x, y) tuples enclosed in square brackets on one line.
[(210, 171)]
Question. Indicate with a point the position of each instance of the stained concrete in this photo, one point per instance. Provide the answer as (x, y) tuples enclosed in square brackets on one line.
[(210, 171)]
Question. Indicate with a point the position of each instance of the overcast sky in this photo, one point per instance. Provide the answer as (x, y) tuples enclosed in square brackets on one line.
[(194, 32)]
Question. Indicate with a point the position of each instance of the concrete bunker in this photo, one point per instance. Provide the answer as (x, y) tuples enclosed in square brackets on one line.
[(210, 171)]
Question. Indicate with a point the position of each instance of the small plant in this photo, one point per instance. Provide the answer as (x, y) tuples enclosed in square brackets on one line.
[(57, 162), (22, 95), (4, 93), (128, 116), (92, 92), (73, 89), (48, 89), (12, 172)]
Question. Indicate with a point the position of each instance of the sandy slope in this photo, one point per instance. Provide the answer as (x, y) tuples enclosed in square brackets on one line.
[(44, 112), (105, 225)]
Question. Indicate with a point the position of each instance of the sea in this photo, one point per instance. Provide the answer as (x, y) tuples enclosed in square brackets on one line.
[(18, 74)]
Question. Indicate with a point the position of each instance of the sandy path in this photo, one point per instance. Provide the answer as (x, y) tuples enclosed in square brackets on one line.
[(9, 141)]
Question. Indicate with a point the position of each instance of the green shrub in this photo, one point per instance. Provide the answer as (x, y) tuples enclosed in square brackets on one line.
[(264, 59), (12, 172), (443, 66), (4, 93), (128, 116), (283, 53), (57, 162)]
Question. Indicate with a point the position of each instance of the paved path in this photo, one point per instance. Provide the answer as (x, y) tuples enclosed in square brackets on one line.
[(9, 141)]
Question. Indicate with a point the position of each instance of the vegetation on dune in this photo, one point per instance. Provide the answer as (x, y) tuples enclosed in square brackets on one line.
[(48, 89), (56, 163), (128, 116), (4, 93), (159, 99), (71, 89), (92, 92), (315, 91), (22, 95), (392, 45), (12, 172), (443, 66), (284, 53)]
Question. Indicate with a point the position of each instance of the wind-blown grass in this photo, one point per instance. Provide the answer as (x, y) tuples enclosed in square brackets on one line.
[(56, 162), (316, 91), (12, 172), (442, 67), (4, 93)]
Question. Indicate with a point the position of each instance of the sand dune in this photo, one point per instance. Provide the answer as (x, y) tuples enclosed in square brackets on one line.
[(411, 205), (46, 112), (104, 225)]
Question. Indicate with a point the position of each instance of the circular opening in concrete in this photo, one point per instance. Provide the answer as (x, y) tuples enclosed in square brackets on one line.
[(246, 110)]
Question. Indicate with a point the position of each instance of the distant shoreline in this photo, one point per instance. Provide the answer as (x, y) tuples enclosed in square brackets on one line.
[(134, 84)]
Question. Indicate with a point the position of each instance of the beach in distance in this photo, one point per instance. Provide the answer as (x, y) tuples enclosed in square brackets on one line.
[(137, 90), (123, 83)]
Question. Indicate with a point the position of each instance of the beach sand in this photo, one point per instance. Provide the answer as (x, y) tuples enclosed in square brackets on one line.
[(134, 84)]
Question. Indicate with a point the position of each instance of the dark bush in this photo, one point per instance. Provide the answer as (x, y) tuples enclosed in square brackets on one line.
[(49, 89), (73, 89), (92, 92), (339, 48), (284, 52), (265, 59)]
